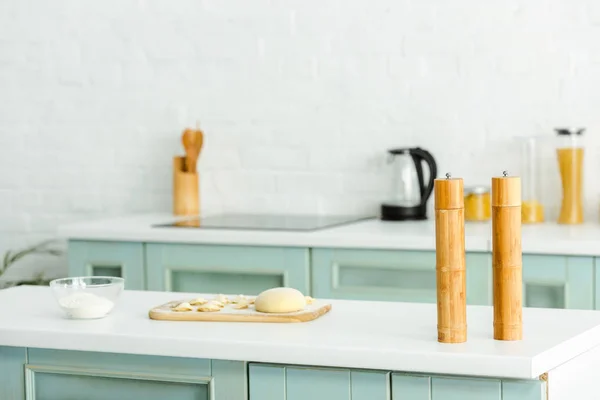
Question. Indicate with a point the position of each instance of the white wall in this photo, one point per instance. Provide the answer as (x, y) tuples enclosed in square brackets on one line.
[(298, 98)]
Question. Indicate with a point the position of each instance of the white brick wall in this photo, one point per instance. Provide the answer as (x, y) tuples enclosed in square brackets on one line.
[(298, 99)]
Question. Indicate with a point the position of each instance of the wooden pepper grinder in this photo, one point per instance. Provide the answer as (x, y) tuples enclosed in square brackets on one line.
[(451, 276), (507, 257)]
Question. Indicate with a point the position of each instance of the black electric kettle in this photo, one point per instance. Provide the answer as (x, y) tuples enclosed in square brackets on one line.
[(409, 191)]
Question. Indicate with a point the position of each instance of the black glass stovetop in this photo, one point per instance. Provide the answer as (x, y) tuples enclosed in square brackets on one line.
[(266, 222)]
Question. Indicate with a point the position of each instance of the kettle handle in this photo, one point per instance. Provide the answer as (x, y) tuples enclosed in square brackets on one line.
[(419, 155)]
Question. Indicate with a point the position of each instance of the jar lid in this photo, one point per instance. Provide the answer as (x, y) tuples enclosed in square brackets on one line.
[(480, 189), (568, 132)]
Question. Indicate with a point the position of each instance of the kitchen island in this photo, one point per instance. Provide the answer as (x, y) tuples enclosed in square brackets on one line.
[(364, 260), (546, 238), (358, 351)]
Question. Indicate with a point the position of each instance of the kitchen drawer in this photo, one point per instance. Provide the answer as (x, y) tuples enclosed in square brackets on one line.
[(424, 387), (120, 259), (59, 375), (558, 282), (276, 382), (391, 275), (225, 269)]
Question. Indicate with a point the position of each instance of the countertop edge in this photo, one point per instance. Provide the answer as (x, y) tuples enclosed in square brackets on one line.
[(371, 234), (303, 240), (519, 367)]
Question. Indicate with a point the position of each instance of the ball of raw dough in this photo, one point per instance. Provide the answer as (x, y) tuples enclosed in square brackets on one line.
[(280, 300)]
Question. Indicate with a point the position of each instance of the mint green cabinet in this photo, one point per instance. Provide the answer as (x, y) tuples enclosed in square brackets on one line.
[(355, 274), (443, 388), (43, 374), (391, 275), (12, 378), (558, 282), (524, 390), (278, 382), (120, 259), (275, 382), (424, 387), (225, 269)]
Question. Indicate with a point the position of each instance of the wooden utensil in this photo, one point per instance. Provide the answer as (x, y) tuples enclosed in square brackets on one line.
[(451, 273), (186, 196), (507, 260), (229, 314), (192, 140)]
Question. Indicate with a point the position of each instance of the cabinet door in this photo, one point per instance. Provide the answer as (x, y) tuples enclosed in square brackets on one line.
[(479, 279), (273, 382), (558, 282), (12, 378), (423, 387), (59, 375), (225, 269), (120, 259), (390, 275)]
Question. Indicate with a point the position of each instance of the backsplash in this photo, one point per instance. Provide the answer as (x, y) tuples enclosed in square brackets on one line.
[(298, 99)]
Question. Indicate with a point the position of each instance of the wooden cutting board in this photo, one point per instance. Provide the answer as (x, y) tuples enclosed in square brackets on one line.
[(229, 314)]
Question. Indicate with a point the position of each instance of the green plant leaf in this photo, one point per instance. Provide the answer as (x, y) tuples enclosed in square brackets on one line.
[(40, 248), (5, 263)]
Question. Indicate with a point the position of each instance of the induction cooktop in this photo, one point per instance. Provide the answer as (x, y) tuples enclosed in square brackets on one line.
[(266, 222)]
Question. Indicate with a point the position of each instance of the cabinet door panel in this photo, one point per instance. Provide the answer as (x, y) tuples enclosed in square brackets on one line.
[(223, 282), (266, 382), (411, 387), (523, 390), (370, 385), (558, 282), (120, 259), (230, 379), (51, 386), (317, 384), (58, 374), (275, 382), (391, 275), (465, 389), (12, 378), (479, 279), (225, 269), (374, 275)]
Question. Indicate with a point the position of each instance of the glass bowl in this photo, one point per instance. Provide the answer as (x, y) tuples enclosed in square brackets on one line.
[(87, 297)]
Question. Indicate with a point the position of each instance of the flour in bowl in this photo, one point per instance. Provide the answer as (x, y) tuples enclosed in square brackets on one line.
[(86, 305)]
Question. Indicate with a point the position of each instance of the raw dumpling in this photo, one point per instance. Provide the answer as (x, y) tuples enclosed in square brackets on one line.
[(239, 299), (209, 307), (280, 300), (198, 301), (183, 307), (241, 306), (221, 298)]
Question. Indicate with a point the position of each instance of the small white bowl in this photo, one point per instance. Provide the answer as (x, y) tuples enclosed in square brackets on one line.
[(87, 297)]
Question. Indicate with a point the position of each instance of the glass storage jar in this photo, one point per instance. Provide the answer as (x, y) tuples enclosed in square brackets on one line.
[(532, 209), (570, 154), (477, 203)]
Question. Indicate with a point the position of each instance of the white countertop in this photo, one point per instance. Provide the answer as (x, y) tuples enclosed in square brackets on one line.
[(355, 334), (548, 238)]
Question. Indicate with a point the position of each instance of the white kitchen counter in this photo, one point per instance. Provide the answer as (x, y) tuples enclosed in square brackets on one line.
[(355, 334), (546, 238)]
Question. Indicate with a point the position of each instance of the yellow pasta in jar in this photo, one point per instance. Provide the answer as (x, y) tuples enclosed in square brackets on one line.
[(478, 204), (532, 212)]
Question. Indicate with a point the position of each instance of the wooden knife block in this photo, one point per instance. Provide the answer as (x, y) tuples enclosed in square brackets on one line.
[(186, 197)]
